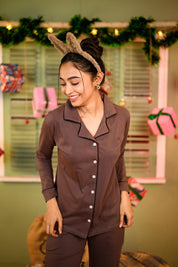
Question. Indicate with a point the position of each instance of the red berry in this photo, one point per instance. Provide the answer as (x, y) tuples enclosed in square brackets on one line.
[(149, 100)]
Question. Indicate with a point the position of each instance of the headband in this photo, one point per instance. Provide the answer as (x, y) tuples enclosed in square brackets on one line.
[(72, 46)]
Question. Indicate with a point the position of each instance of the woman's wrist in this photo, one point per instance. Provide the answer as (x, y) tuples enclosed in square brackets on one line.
[(124, 194), (51, 201)]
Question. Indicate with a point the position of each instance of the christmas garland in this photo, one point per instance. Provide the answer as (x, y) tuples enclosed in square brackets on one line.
[(138, 27)]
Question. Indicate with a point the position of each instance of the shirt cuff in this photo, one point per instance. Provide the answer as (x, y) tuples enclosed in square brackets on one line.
[(124, 186), (49, 193)]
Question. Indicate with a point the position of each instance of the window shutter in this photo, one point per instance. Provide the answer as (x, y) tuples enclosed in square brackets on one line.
[(130, 79), (21, 140)]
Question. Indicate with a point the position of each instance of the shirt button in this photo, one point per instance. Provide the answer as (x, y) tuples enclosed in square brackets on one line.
[(92, 191), (90, 207), (93, 176), (94, 144), (94, 161), (89, 220)]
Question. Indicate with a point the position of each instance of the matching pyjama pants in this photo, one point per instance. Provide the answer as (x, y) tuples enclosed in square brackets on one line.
[(67, 249)]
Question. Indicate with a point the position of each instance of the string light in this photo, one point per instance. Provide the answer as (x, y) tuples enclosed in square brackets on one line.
[(9, 27), (160, 33), (35, 32), (94, 31), (50, 30), (116, 32)]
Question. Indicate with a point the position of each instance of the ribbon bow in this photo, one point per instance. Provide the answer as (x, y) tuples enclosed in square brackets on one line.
[(154, 116)]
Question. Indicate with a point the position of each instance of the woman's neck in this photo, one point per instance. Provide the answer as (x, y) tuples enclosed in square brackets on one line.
[(93, 108)]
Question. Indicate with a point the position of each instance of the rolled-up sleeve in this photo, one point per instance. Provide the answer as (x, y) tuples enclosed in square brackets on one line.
[(44, 162), (121, 170)]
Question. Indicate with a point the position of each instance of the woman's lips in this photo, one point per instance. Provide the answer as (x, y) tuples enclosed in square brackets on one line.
[(73, 98)]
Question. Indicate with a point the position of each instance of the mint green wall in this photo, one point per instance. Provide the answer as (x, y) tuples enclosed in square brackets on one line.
[(106, 10), (156, 218)]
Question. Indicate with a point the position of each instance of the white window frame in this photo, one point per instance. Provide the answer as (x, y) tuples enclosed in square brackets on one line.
[(161, 140)]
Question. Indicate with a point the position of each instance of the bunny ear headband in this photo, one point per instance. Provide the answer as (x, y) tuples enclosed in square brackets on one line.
[(72, 46)]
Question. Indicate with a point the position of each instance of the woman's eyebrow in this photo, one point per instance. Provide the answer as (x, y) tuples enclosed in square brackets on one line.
[(70, 78)]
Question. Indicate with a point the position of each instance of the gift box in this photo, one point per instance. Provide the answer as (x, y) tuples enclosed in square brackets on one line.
[(11, 78), (137, 191), (44, 100), (163, 121)]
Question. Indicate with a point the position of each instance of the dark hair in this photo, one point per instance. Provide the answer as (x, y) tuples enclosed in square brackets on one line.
[(91, 46)]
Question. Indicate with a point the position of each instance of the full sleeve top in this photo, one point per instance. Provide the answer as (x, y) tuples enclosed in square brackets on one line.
[(90, 171)]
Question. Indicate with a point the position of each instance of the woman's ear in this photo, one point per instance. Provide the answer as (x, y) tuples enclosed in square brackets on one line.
[(99, 78)]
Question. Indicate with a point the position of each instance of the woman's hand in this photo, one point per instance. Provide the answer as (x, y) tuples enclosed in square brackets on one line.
[(126, 211), (53, 216)]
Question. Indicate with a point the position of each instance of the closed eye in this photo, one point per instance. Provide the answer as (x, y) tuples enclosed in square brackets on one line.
[(75, 84)]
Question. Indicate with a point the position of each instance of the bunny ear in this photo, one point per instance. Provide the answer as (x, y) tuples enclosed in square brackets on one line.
[(58, 44), (75, 47), (73, 44)]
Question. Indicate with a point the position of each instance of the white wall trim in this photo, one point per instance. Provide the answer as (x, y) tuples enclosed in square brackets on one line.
[(1, 124), (162, 102), (19, 179)]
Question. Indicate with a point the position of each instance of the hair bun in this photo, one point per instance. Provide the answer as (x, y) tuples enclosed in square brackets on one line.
[(91, 46)]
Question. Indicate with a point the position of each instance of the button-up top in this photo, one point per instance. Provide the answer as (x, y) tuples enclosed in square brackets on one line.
[(90, 172)]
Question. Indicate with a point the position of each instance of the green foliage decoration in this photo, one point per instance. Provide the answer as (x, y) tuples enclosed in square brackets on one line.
[(138, 27)]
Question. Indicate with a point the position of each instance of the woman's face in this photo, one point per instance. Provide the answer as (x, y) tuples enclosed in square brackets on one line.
[(78, 86)]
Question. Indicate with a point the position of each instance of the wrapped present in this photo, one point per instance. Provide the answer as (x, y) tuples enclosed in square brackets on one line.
[(163, 121), (137, 191), (11, 78), (44, 100), (1, 152)]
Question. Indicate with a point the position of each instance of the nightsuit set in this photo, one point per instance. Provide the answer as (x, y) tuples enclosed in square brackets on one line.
[(89, 179)]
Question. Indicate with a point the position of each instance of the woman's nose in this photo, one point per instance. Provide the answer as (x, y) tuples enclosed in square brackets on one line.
[(68, 90)]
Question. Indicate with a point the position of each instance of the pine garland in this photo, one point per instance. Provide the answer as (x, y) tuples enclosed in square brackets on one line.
[(138, 27)]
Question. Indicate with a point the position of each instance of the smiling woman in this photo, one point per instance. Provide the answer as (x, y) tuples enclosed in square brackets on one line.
[(89, 199), (81, 88)]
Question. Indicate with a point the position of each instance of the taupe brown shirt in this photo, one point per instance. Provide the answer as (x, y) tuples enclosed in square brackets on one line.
[(91, 170)]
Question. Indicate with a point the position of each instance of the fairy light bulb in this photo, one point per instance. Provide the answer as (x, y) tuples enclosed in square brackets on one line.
[(50, 30), (94, 31), (160, 33), (35, 32), (116, 32), (9, 27)]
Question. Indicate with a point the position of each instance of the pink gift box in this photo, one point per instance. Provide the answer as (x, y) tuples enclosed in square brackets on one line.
[(44, 100), (137, 191), (163, 124), (11, 78)]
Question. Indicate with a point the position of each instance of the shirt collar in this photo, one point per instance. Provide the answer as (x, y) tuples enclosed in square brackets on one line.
[(71, 113)]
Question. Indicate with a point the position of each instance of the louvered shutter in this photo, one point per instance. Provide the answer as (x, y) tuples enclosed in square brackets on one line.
[(21, 140), (137, 83), (130, 79)]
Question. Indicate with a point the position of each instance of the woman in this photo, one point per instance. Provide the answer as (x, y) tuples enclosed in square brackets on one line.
[(89, 199)]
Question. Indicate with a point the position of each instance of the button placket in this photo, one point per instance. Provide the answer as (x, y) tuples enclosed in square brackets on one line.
[(92, 190)]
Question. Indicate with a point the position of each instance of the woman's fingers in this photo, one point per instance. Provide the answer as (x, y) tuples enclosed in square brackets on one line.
[(53, 218), (60, 226), (121, 220), (130, 220)]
